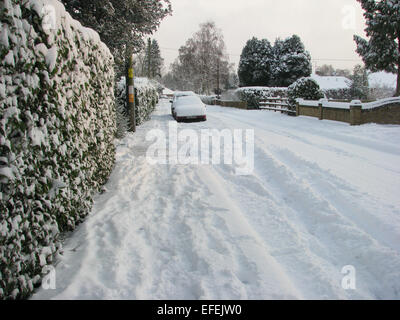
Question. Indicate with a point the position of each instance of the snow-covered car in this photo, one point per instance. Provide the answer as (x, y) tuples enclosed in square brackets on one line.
[(177, 95), (190, 108)]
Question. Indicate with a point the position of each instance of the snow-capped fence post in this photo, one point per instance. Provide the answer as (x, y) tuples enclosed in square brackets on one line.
[(320, 110), (355, 112)]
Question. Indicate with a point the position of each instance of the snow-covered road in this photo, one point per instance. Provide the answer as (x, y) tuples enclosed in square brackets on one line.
[(323, 195)]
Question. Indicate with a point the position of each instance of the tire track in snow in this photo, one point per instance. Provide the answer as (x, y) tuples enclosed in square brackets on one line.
[(198, 232), (379, 274)]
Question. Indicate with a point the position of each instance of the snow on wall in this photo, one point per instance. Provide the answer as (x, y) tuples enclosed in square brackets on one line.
[(146, 95), (346, 105), (57, 126)]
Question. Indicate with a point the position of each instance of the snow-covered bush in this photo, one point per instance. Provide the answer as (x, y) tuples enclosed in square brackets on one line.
[(146, 98), (210, 100), (306, 88), (338, 93), (57, 127), (253, 95)]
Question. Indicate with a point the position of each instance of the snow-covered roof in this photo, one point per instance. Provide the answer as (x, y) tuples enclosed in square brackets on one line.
[(332, 82), (382, 78), (167, 91)]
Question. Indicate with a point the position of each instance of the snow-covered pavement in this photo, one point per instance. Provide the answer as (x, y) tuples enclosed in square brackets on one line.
[(323, 195)]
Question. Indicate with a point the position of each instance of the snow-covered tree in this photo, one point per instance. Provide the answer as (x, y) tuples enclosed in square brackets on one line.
[(149, 63), (202, 64), (328, 70), (121, 24), (360, 84), (381, 52), (306, 88), (291, 61), (255, 65), (325, 70), (281, 65)]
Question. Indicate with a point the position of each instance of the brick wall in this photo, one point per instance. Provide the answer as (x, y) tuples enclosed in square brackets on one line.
[(355, 115)]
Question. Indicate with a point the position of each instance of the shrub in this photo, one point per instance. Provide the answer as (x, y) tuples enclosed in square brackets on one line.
[(146, 98), (57, 128), (338, 94), (305, 88), (210, 100), (253, 95)]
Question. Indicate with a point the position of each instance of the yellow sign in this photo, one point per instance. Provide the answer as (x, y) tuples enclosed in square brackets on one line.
[(130, 73)]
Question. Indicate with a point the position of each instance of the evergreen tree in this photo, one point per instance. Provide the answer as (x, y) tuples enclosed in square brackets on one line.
[(156, 60), (360, 84), (281, 65), (256, 63), (381, 52), (306, 88), (291, 61), (121, 24)]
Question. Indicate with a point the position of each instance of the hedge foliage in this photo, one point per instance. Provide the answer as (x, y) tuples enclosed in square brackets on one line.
[(253, 95), (146, 97), (57, 127), (306, 88)]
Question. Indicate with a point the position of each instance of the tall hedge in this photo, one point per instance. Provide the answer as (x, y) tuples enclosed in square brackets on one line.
[(146, 98), (57, 126)]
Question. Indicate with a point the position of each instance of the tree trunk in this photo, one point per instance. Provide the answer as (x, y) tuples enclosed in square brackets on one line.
[(397, 94)]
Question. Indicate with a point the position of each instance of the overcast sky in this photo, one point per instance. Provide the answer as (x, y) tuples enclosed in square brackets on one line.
[(326, 27)]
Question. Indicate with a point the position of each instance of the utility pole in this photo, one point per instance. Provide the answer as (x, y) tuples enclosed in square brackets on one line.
[(149, 58), (130, 87), (218, 90)]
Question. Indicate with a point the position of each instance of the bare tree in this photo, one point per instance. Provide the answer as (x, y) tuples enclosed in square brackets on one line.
[(202, 64)]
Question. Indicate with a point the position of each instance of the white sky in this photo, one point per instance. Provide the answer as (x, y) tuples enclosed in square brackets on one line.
[(326, 27)]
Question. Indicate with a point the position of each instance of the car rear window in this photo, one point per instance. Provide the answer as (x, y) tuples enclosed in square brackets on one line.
[(188, 100)]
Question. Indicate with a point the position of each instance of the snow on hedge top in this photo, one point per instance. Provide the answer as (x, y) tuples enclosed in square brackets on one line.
[(332, 83), (262, 88), (55, 18)]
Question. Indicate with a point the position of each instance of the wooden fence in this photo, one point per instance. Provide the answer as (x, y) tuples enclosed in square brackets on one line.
[(276, 104)]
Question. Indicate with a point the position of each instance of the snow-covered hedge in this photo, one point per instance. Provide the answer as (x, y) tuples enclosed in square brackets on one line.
[(146, 95), (57, 126), (253, 95), (338, 94), (305, 88)]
